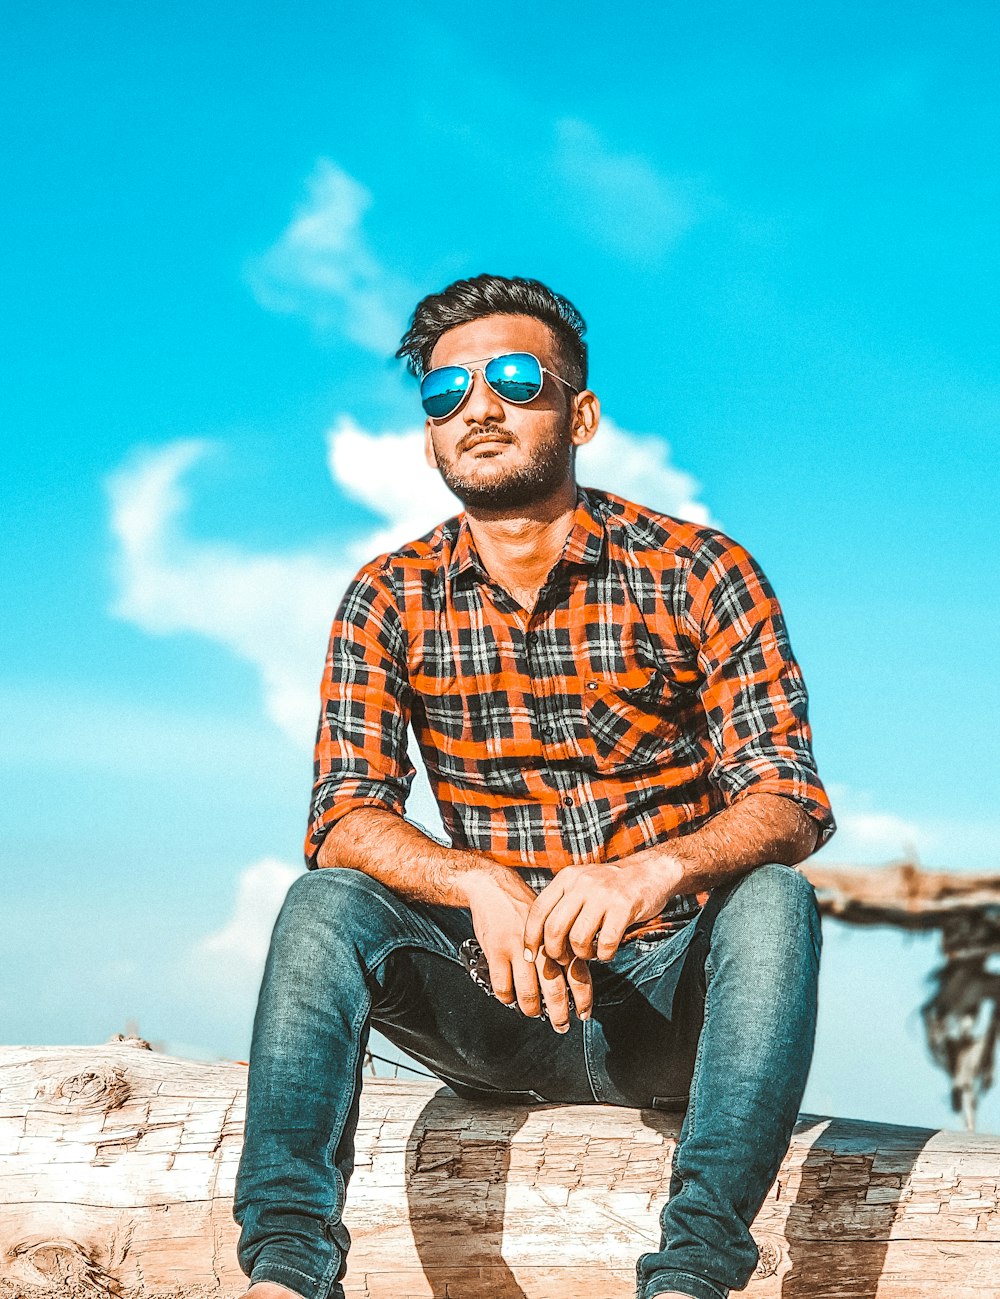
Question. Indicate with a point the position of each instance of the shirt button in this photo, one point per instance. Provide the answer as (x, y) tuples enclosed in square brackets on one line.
[(547, 731), (568, 800), (591, 685)]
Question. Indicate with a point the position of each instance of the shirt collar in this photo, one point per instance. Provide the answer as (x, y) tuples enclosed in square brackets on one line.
[(584, 543), (464, 555)]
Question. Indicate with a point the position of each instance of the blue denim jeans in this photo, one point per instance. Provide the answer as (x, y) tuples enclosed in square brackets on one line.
[(719, 1018)]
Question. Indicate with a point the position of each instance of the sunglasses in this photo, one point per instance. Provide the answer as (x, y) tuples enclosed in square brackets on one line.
[(514, 376)]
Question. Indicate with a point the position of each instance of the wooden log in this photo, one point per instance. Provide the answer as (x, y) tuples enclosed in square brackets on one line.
[(962, 1017), (117, 1168), (903, 894)]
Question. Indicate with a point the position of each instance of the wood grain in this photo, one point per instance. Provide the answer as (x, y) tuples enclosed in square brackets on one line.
[(117, 1168)]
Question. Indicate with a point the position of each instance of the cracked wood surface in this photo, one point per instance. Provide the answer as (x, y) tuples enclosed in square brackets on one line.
[(117, 1168)]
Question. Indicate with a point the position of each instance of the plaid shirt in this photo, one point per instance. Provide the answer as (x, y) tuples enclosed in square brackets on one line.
[(652, 685)]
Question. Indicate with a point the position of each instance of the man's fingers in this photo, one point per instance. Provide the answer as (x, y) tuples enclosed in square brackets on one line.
[(534, 926), (554, 990), (557, 926), (502, 979), (582, 937), (610, 937), (526, 986), (581, 986)]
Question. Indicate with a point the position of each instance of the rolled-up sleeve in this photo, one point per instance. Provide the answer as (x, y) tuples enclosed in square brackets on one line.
[(361, 757), (752, 690)]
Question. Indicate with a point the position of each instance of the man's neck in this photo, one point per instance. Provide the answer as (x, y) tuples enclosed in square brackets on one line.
[(519, 549)]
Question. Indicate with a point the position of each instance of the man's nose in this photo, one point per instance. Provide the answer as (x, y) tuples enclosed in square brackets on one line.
[(482, 406)]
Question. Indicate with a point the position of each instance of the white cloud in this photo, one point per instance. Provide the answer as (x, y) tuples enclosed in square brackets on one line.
[(235, 954), (870, 837), (274, 610), (623, 200), (387, 473), (267, 609), (322, 267), (638, 467)]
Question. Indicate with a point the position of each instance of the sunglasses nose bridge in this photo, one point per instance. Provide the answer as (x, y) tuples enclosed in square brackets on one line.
[(481, 392)]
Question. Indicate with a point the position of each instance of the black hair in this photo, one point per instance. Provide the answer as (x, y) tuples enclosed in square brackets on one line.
[(495, 295)]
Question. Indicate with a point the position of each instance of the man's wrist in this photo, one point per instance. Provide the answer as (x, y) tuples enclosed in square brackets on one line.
[(478, 876), (662, 866)]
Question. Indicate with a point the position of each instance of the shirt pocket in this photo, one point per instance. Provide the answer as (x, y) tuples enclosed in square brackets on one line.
[(628, 720)]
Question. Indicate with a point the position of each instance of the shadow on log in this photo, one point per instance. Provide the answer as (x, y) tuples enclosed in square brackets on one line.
[(117, 1168)]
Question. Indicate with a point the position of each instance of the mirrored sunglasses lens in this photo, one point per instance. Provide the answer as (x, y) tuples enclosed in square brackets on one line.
[(442, 390), (516, 377)]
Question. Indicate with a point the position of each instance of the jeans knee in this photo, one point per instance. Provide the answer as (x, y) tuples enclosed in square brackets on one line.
[(330, 902), (329, 924), (772, 905), (781, 889)]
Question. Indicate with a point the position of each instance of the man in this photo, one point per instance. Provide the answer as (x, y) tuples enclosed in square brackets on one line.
[(615, 731)]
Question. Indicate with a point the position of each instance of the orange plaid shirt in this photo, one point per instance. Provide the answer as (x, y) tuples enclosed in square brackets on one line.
[(652, 685)]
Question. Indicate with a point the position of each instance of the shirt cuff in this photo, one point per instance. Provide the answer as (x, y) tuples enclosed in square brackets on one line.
[(324, 821), (812, 801)]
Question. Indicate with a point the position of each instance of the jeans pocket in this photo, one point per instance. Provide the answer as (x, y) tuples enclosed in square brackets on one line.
[(658, 954)]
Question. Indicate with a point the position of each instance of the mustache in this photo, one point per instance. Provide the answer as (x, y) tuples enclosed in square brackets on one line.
[(485, 433)]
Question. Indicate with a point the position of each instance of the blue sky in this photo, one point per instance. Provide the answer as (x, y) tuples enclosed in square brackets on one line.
[(781, 227)]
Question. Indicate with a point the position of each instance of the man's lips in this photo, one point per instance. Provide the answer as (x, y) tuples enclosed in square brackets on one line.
[(486, 439)]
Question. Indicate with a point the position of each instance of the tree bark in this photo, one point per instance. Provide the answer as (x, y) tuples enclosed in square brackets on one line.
[(117, 1168)]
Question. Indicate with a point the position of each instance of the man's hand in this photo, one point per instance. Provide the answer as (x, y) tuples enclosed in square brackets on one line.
[(500, 904), (588, 907)]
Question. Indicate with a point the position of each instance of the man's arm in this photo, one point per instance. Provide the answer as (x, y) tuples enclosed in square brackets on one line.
[(588, 905), (360, 758), (362, 777), (760, 828), (404, 859), (754, 702)]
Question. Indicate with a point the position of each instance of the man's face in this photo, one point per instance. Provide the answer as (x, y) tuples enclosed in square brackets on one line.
[(497, 455)]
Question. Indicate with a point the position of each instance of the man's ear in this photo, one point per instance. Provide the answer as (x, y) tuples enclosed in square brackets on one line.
[(429, 455), (586, 418)]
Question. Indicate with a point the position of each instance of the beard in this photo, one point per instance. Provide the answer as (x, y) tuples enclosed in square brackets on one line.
[(519, 486)]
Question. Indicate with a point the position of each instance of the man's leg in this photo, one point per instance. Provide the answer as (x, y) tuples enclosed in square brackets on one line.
[(304, 1086), (747, 999), (347, 952), (726, 1011)]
